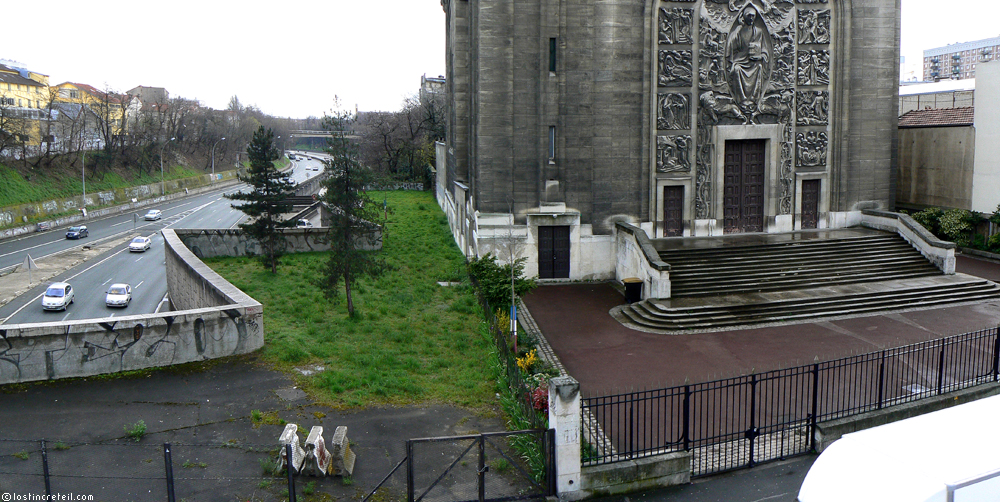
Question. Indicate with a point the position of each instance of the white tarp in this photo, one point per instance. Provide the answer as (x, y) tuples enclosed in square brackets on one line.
[(914, 460)]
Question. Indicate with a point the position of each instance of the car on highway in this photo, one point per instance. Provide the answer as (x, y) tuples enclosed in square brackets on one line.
[(119, 295), (140, 244), (153, 214), (42, 226), (58, 296), (78, 232), (303, 224)]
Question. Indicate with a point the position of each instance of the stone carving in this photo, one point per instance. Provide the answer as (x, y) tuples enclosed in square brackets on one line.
[(783, 75), (673, 153), (814, 26), (811, 1), (748, 59), (675, 68), (814, 67), (715, 107), (812, 107), (810, 149), (711, 77), (787, 181), (673, 111), (703, 181), (675, 26), (777, 106)]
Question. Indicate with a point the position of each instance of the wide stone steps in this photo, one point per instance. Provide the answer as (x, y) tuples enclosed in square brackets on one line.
[(807, 304), (794, 265)]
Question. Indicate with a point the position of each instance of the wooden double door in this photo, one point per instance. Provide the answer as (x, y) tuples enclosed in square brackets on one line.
[(744, 185), (553, 252)]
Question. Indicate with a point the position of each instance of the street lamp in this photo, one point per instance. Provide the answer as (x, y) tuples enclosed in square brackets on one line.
[(213, 158), (163, 190), (83, 174)]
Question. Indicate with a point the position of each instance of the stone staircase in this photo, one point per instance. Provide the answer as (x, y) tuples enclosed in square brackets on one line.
[(732, 282)]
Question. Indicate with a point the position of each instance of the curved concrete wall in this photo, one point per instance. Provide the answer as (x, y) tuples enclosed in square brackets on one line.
[(215, 319)]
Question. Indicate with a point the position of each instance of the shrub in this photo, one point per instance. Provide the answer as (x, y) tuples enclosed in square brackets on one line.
[(929, 219), (957, 225), (136, 431), (494, 279), (993, 245)]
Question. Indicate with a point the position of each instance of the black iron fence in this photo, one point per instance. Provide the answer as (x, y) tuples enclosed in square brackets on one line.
[(737, 422), (129, 470)]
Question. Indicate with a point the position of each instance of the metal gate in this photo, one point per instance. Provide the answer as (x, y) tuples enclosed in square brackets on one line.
[(495, 466)]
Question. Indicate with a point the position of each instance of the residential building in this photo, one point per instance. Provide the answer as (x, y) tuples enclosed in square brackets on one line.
[(958, 61), (23, 100), (685, 119)]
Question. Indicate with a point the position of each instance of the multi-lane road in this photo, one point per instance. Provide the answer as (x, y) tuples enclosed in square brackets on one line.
[(144, 271)]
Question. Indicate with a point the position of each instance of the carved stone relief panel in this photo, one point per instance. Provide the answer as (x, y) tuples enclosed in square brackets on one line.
[(674, 68), (675, 26), (814, 67), (783, 76), (703, 174), (812, 107), (810, 1), (711, 76), (673, 111), (787, 178), (673, 153), (814, 26), (810, 149)]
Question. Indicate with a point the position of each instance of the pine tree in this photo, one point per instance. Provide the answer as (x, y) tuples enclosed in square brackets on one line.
[(267, 201), (357, 223)]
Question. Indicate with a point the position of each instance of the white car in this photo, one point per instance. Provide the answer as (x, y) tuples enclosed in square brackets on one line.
[(119, 295), (153, 214), (303, 224), (58, 296), (140, 244)]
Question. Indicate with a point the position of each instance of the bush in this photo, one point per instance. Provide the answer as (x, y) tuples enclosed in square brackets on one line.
[(957, 225), (494, 279), (929, 218), (993, 245)]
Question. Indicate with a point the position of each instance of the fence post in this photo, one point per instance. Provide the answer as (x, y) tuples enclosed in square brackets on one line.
[(751, 433), (996, 354), (940, 382), (566, 418), (169, 468), (45, 470), (815, 407), (630, 427), (409, 470), (687, 418), (550, 452), (482, 469), (881, 380), (291, 472)]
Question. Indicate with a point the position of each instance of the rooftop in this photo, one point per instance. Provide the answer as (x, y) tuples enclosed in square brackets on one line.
[(938, 117)]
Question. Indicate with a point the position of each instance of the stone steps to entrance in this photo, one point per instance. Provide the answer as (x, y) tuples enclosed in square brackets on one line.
[(805, 304), (796, 264)]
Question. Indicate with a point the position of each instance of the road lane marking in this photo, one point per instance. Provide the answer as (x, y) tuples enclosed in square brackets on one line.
[(122, 223), (65, 316), (137, 285), (107, 281)]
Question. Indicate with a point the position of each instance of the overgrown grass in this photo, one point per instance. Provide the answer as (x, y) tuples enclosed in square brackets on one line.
[(411, 340), (47, 185)]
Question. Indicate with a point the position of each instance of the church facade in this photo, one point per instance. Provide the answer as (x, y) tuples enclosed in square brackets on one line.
[(685, 118)]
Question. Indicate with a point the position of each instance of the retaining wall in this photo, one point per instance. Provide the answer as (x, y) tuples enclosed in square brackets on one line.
[(226, 322), (120, 201), (232, 242)]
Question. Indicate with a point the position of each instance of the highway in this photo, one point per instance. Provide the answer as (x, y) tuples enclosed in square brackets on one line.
[(144, 271)]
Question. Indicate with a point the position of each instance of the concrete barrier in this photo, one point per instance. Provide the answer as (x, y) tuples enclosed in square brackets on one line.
[(215, 319), (940, 253), (232, 242)]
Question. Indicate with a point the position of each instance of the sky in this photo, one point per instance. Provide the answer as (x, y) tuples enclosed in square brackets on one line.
[(291, 58)]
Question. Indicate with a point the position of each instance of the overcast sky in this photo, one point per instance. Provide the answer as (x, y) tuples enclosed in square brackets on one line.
[(291, 57)]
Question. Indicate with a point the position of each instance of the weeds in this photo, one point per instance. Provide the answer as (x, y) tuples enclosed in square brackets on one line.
[(136, 431)]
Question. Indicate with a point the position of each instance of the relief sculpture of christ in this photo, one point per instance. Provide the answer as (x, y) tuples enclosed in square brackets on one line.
[(748, 53)]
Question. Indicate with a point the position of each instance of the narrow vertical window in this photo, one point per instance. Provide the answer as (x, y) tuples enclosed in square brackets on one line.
[(552, 143), (552, 55)]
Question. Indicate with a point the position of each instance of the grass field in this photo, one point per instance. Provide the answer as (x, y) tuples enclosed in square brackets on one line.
[(412, 341)]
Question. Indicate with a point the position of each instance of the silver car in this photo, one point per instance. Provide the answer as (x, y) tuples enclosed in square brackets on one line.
[(153, 214), (119, 295), (58, 296), (139, 244)]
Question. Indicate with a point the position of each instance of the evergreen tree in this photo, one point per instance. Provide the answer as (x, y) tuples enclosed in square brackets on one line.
[(267, 200), (357, 223)]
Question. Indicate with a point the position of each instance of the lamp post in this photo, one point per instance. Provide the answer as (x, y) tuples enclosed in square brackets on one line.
[(83, 174), (163, 190), (213, 158)]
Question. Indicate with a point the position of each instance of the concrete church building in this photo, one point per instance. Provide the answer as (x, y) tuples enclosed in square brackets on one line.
[(682, 118)]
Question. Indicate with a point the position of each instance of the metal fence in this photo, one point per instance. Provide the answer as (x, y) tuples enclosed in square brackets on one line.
[(737, 422), (128, 470)]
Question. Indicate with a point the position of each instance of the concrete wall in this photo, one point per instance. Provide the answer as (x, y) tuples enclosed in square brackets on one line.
[(214, 319), (636, 257), (232, 242), (936, 166), (940, 253), (986, 180), (646, 473)]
